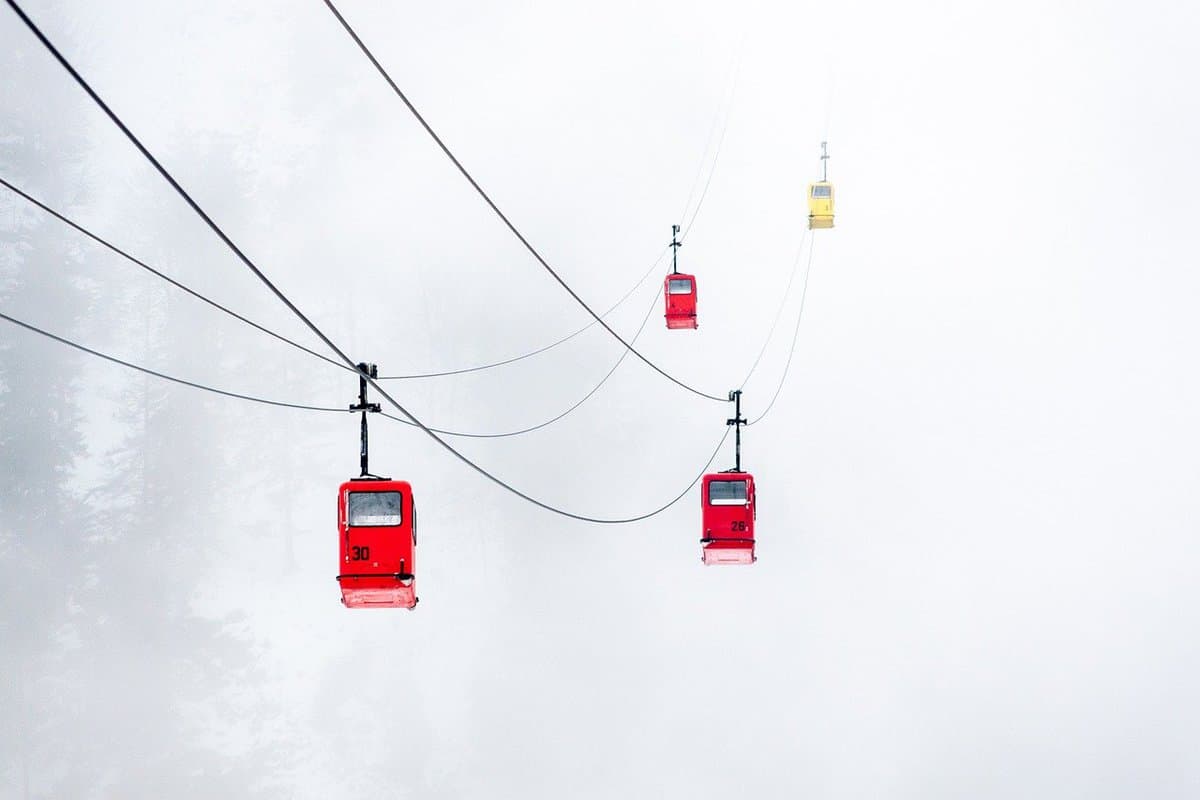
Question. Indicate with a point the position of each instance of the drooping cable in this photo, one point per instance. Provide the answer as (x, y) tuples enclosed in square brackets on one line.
[(500, 214), (66, 220), (717, 155), (157, 273), (163, 375), (795, 335), (532, 353), (265, 401), (254, 399), (112, 247), (717, 117), (183, 287), (708, 140), (313, 327), (555, 419), (778, 311), (688, 228)]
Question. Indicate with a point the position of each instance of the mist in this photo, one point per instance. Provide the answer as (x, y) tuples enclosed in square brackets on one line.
[(977, 542)]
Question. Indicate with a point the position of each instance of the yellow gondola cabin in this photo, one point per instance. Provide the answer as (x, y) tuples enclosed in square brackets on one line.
[(820, 205)]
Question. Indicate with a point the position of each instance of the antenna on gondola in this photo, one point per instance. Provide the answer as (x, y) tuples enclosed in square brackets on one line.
[(365, 371), (738, 421), (675, 245)]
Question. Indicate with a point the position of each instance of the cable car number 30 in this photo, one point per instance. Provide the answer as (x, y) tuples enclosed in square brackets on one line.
[(360, 553)]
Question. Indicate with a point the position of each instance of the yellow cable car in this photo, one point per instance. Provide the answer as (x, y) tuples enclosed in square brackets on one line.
[(820, 198), (820, 205)]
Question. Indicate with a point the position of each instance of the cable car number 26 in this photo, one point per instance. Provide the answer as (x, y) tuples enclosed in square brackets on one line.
[(360, 553)]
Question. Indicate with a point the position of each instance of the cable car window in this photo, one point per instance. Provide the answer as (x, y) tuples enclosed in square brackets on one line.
[(679, 286), (727, 493), (822, 191), (375, 508)]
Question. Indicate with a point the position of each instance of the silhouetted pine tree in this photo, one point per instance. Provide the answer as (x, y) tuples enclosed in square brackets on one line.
[(43, 521), (158, 678)]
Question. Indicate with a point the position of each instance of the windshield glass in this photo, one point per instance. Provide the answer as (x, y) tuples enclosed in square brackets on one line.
[(374, 508), (822, 190), (680, 286), (727, 493)]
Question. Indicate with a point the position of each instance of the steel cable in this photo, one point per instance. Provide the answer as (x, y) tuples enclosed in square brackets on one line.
[(94, 237), (553, 420), (265, 401), (532, 353), (795, 335), (163, 375), (779, 311), (500, 214), (318, 332)]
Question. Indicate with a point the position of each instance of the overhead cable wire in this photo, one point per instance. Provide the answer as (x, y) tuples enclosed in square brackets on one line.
[(691, 193), (717, 155), (157, 273), (313, 327), (795, 335), (688, 228), (712, 129), (183, 287), (265, 401), (500, 214), (254, 399), (829, 101), (779, 311), (555, 419), (163, 375), (62, 217), (538, 351), (700, 167), (300, 406)]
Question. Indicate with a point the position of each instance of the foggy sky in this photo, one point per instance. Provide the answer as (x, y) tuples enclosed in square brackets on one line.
[(978, 558)]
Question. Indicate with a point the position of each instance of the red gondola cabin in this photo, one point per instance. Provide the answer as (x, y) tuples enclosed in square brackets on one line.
[(727, 503), (680, 293), (377, 540)]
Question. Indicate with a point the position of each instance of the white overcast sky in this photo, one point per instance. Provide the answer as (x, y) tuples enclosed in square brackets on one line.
[(978, 550)]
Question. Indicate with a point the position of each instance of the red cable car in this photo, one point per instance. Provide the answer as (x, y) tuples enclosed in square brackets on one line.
[(679, 290), (377, 528), (377, 523), (680, 293), (727, 503)]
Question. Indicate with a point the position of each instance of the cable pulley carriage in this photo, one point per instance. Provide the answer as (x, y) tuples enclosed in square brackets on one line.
[(377, 529)]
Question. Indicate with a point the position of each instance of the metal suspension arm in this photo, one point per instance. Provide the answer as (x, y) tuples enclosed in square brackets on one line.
[(364, 371), (675, 245), (738, 421)]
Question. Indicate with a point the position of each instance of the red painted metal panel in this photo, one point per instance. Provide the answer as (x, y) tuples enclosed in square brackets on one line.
[(377, 544), (679, 294), (728, 553), (727, 502)]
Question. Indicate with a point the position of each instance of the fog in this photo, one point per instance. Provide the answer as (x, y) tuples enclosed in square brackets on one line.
[(977, 546)]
